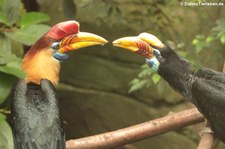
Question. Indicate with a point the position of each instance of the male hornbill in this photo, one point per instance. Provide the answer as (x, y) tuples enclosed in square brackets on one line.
[(203, 87), (35, 114)]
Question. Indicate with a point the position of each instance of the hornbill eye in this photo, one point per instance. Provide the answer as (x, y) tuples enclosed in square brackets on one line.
[(55, 45)]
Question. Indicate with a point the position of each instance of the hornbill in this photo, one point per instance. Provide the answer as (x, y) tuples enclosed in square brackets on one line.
[(203, 87), (36, 120)]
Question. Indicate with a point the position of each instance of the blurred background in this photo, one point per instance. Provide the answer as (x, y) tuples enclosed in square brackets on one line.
[(104, 88)]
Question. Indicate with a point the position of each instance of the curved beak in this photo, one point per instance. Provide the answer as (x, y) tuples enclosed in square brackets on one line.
[(136, 45), (80, 40)]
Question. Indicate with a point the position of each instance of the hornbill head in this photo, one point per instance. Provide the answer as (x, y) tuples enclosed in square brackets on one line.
[(143, 44), (42, 61)]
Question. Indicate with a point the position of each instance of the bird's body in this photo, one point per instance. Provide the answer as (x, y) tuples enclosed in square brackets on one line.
[(176, 71), (203, 87), (36, 119), (35, 112)]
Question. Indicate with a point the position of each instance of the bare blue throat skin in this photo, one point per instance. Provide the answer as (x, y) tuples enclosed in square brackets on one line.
[(153, 63), (60, 57)]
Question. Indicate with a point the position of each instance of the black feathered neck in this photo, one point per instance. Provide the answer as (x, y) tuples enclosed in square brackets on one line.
[(176, 70)]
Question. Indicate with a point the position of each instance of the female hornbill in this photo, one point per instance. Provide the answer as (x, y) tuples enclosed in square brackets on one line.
[(203, 87), (35, 114)]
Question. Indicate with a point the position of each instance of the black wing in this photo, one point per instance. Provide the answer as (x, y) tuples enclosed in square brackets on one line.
[(35, 117), (208, 92)]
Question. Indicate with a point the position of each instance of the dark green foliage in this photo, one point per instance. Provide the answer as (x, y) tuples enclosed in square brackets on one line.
[(17, 28), (5, 134)]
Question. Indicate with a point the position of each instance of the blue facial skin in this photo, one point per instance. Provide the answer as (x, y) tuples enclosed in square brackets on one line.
[(60, 57), (153, 63)]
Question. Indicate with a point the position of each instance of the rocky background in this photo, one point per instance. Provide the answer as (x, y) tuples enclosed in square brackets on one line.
[(95, 81)]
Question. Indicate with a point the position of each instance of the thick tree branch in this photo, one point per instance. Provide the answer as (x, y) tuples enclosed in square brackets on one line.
[(138, 132), (207, 138)]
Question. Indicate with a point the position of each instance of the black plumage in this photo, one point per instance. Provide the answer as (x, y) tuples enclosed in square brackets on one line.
[(203, 87), (35, 117)]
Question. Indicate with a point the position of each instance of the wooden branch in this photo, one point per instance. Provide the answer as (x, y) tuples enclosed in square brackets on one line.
[(138, 132), (207, 138), (206, 141)]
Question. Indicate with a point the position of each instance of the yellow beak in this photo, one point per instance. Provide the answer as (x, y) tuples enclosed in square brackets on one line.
[(129, 43), (80, 40), (135, 44)]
